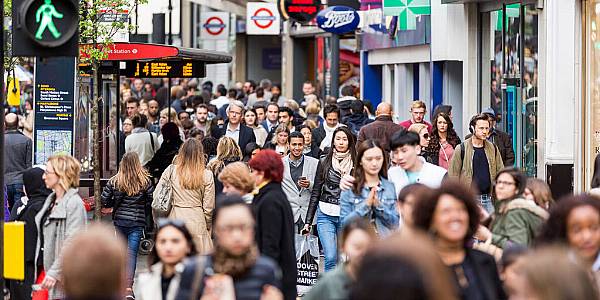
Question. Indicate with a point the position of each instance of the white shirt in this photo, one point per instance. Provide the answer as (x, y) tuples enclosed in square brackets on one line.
[(429, 175), (220, 101), (233, 133), (139, 142)]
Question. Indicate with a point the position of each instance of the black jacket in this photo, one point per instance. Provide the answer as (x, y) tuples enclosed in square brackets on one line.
[(128, 211), (325, 189), (247, 287), (275, 233), (356, 121), (315, 152), (318, 135), (246, 134), (163, 157), (486, 273)]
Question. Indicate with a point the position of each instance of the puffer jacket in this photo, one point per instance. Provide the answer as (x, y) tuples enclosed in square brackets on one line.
[(128, 211), (516, 221), (324, 189)]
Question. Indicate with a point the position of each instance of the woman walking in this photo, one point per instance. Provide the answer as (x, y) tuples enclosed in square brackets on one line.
[(443, 141), (279, 142), (127, 195), (193, 192), (168, 149), (61, 216), (325, 196), (228, 152), (259, 132), (372, 196)]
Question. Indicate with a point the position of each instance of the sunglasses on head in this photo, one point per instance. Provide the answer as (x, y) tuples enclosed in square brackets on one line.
[(163, 222), (426, 135)]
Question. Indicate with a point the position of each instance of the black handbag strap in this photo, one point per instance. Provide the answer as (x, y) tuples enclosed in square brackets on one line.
[(151, 140)]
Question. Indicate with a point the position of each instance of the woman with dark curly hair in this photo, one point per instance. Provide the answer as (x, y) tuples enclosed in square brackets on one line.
[(443, 140), (575, 221), (516, 220), (451, 215)]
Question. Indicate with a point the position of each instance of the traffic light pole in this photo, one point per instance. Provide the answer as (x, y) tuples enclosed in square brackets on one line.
[(2, 152)]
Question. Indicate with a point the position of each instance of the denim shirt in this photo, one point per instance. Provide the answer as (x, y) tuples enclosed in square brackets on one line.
[(385, 214)]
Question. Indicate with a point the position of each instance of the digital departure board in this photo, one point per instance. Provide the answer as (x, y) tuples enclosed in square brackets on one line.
[(164, 69)]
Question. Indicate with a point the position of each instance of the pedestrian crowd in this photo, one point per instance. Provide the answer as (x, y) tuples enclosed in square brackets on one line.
[(233, 185)]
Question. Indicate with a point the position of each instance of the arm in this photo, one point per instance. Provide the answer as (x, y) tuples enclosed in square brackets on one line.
[(455, 163), (271, 224), (208, 203), (361, 136), (350, 211), (107, 196), (516, 228), (499, 161), (510, 153), (315, 194)]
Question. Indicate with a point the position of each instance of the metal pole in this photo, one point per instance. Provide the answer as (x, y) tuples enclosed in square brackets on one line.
[(169, 101), (335, 65), (170, 25), (2, 152)]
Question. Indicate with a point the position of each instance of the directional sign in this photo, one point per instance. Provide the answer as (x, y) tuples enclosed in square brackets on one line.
[(164, 69), (214, 25), (262, 19)]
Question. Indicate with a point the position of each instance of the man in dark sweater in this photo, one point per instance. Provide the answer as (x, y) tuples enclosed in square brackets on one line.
[(17, 158)]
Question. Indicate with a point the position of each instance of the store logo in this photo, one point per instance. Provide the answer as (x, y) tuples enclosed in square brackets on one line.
[(338, 19), (263, 18)]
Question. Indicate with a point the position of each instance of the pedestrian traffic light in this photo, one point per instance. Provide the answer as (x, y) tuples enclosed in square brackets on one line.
[(45, 28)]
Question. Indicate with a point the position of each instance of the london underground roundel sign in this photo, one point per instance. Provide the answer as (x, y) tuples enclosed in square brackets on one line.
[(302, 11), (214, 25), (338, 19)]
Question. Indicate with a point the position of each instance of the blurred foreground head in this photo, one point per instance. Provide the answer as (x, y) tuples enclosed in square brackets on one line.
[(412, 269), (94, 265)]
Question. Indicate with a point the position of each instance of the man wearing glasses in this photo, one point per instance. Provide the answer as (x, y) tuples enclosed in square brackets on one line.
[(418, 109), (234, 129)]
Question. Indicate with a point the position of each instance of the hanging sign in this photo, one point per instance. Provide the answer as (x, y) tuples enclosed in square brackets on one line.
[(54, 101), (302, 11), (338, 19), (262, 19), (164, 69), (214, 25)]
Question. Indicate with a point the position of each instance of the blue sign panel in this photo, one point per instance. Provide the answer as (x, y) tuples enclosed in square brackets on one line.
[(338, 19)]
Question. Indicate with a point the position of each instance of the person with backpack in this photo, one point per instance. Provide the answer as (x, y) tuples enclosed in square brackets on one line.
[(477, 161), (141, 141)]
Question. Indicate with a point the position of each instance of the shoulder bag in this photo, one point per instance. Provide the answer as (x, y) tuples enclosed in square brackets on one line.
[(162, 201)]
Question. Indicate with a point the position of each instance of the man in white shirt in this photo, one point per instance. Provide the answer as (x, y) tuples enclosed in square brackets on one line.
[(141, 141), (233, 128)]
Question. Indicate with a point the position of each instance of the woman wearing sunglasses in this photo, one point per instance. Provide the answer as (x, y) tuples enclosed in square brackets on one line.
[(173, 243), (425, 137)]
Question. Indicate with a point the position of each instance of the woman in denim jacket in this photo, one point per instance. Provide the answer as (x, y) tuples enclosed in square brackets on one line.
[(372, 195)]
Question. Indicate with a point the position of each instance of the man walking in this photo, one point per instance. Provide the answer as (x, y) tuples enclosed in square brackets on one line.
[(357, 118), (141, 141), (418, 109), (323, 134), (500, 138), (202, 121), (17, 158), (477, 161), (299, 173), (153, 122), (382, 128), (272, 117), (233, 128)]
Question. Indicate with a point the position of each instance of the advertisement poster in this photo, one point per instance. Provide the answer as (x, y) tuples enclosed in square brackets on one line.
[(53, 105)]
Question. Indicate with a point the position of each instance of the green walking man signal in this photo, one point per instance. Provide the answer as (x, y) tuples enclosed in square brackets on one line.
[(44, 16)]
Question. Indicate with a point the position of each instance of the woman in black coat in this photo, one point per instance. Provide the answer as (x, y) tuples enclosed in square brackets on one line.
[(36, 191), (274, 218), (167, 151)]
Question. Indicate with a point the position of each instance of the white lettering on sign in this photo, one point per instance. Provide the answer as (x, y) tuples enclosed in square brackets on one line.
[(336, 19)]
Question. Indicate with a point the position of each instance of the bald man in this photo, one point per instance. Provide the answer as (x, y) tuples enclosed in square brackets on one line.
[(17, 158), (383, 127)]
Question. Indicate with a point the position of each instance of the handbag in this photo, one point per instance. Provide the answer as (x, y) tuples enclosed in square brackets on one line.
[(162, 201)]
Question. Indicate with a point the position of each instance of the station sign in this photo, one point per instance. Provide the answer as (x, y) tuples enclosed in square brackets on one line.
[(262, 19), (302, 11), (338, 19), (164, 69), (134, 51), (214, 25)]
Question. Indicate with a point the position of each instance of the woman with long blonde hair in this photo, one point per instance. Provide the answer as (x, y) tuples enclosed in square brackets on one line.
[(126, 195), (193, 192), (228, 152)]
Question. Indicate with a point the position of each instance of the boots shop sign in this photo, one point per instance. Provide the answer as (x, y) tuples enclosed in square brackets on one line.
[(302, 11), (338, 19)]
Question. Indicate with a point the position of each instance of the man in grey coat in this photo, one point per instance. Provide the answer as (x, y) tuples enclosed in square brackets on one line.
[(299, 173), (17, 158)]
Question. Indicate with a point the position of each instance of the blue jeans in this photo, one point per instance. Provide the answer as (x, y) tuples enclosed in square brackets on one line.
[(486, 202), (14, 193), (133, 235), (328, 228)]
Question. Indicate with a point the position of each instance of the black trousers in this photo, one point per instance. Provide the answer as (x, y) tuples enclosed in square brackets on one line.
[(21, 290)]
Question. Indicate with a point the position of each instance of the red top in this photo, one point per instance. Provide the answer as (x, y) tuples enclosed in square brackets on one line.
[(409, 122)]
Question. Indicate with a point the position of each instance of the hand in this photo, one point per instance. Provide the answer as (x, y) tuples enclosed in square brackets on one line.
[(271, 293), (483, 234), (107, 210), (372, 199), (48, 283), (305, 183), (218, 287), (346, 182), (306, 229)]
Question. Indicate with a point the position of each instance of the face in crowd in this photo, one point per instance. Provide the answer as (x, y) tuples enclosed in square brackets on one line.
[(424, 137), (417, 114), (372, 161), (332, 119), (482, 129), (127, 126), (273, 113), (340, 142), (296, 147), (143, 108), (132, 109), (171, 245), (307, 135), (282, 138), (234, 114), (307, 89), (505, 187), (406, 156), (450, 219), (201, 115), (583, 231), (250, 118), (442, 125), (153, 108), (138, 84), (234, 229), (285, 118), (260, 114)]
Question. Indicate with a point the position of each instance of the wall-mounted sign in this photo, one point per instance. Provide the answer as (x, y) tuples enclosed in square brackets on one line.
[(299, 10), (214, 25), (164, 69), (338, 19), (54, 101), (262, 19)]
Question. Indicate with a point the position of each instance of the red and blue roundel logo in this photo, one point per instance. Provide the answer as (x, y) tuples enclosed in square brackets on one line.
[(214, 25)]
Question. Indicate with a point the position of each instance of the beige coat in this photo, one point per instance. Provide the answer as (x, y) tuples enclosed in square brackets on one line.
[(194, 207)]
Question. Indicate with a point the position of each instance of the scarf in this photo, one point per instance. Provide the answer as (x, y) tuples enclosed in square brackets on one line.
[(342, 162), (234, 265), (328, 136)]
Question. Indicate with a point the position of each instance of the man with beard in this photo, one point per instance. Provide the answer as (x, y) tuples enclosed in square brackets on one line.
[(202, 121), (235, 268), (152, 114)]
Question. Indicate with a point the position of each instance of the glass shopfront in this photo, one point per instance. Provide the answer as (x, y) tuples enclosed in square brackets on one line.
[(509, 76), (591, 127)]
